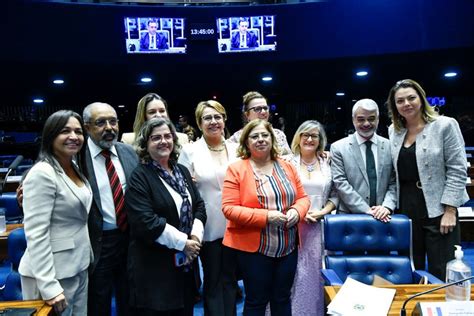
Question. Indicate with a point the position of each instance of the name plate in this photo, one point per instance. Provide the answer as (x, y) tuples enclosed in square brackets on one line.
[(453, 308)]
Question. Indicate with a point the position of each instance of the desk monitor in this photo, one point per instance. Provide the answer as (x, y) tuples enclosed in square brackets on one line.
[(246, 34), (155, 35)]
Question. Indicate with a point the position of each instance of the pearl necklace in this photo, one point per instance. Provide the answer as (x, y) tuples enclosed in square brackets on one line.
[(222, 148), (309, 166)]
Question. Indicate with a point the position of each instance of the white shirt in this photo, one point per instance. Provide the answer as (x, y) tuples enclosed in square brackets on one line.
[(363, 147), (171, 237), (103, 183)]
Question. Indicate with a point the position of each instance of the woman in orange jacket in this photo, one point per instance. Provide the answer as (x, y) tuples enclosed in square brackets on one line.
[(263, 200)]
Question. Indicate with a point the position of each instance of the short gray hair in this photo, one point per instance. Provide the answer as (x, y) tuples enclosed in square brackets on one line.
[(366, 104), (86, 113)]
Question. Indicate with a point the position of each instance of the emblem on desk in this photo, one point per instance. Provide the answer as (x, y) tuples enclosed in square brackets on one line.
[(358, 307)]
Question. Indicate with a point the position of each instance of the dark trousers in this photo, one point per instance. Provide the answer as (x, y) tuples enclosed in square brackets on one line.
[(220, 284), (429, 242), (110, 275), (266, 280)]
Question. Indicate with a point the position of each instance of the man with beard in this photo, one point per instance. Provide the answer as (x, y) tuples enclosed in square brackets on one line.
[(361, 166), (109, 166)]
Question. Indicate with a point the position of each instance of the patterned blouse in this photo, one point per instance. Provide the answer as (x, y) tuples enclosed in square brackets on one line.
[(280, 138), (275, 192)]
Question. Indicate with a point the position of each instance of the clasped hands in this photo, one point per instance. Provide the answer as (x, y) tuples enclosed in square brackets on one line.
[(287, 220), (192, 248), (381, 213)]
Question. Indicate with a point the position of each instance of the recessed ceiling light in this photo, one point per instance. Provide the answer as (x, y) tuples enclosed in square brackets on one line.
[(339, 108), (267, 78), (121, 106), (450, 74), (362, 73), (38, 100), (58, 81), (340, 94), (146, 79)]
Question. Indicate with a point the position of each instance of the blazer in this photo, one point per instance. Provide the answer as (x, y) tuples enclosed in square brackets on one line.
[(155, 282), (246, 219), (129, 160), (161, 41), (209, 180), (441, 162), (350, 176), (252, 40), (58, 245), (129, 138)]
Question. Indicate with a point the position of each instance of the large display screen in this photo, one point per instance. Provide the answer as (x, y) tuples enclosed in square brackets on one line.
[(155, 35), (246, 34)]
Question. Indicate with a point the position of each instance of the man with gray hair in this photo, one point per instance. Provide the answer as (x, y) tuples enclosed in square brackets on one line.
[(109, 165), (361, 166)]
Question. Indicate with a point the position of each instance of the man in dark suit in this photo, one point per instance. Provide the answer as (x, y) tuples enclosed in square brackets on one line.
[(153, 39), (244, 38), (107, 228), (361, 166)]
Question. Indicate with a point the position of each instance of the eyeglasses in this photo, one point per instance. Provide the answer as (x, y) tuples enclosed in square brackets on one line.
[(102, 122), (259, 109), (371, 119), (158, 138), (216, 117), (256, 136), (306, 136)]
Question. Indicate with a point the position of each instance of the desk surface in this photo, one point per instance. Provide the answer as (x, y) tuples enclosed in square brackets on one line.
[(403, 292), (42, 309)]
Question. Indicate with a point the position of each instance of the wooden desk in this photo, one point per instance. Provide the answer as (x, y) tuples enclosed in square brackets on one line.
[(4, 238), (403, 292), (42, 309)]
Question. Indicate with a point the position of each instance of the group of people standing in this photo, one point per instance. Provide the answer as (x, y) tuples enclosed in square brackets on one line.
[(249, 203)]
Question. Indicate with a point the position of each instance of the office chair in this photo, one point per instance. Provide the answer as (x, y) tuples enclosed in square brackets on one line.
[(16, 249), (359, 246), (13, 214)]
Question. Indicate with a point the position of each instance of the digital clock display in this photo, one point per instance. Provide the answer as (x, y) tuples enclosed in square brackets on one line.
[(202, 31)]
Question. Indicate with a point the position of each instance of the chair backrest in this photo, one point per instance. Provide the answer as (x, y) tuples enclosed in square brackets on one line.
[(16, 246), (359, 246), (13, 212)]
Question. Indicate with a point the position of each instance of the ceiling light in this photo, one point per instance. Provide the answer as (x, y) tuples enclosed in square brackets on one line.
[(58, 81), (362, 73), (267, 78), (121, 106), (450, 74), (38, 100), (340, 94), (146, 79)]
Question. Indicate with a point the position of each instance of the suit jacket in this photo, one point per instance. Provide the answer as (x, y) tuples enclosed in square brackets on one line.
[(209, 180), (161, 41), (240, 204), (350, 176), (441, 162), (252, 40), (129, 160), (58, 245), (155, 282)]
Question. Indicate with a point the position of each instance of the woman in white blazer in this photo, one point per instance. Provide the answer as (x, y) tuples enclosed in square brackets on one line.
[(430, 163), (56, 202), (207, 161)]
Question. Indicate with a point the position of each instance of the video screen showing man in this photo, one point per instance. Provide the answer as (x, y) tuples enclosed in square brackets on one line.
[(243, 38), (153, 39)]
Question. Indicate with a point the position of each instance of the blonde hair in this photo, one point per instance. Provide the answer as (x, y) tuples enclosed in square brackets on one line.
[(305, 127), (244, 152), (208, 104), (428, 113)]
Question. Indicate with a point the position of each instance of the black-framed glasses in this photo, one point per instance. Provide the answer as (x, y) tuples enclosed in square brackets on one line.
[(102, 122), (158, 138), (306, 136), (216, 117), (258, 109)]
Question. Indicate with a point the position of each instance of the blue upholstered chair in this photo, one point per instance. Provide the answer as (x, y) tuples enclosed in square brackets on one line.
[(359, 246), (13, 213), (16, 248)]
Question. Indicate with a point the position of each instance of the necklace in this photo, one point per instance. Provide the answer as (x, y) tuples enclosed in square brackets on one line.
[(309, 166), (221, 148)]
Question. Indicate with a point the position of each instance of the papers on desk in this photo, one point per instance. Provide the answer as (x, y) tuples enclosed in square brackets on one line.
[(356, 298), (465, 211)]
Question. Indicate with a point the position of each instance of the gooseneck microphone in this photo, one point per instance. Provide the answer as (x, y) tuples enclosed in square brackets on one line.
[(403, 311), (11, 168)]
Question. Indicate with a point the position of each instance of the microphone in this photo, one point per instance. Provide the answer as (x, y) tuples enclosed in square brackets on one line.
[(403, 311), (11, 168)]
